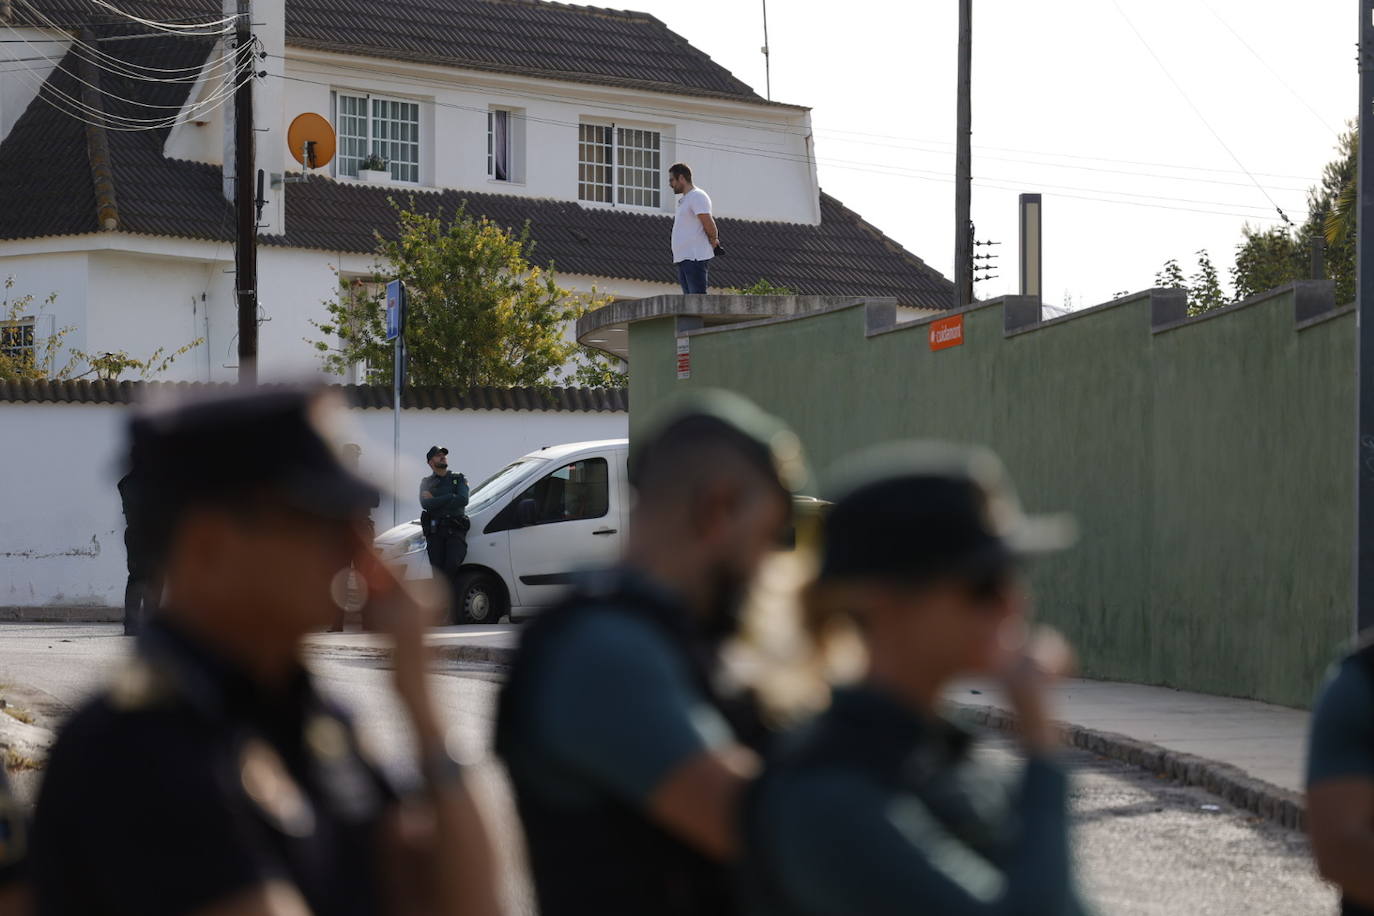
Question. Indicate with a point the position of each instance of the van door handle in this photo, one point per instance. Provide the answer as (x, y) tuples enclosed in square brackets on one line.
[(601, 531)]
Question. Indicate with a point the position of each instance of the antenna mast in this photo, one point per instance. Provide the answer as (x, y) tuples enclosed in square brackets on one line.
[(767, 63)]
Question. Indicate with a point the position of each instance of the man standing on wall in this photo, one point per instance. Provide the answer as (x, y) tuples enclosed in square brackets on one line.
[(695, 237), (444, 498)]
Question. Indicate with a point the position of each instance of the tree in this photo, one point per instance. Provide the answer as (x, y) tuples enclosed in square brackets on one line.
[(479, 312), (763, 287), (24, 357), (1270, 258), (1203, 288)]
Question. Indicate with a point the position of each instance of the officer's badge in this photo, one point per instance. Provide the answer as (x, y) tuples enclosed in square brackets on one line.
[(272, 788)]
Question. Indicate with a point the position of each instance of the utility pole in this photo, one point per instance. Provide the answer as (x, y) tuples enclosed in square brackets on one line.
[(963, 168), (246, 248), (1364, 362), (767, 60)]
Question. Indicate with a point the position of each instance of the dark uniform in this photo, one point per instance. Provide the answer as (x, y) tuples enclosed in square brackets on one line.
[(13, 836), (143, 588), (1341, 743), (447, 540), (874, 809), (583, 760), (614, 690), (184, 784)]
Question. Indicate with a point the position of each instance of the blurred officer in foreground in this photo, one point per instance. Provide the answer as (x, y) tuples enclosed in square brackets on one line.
[(877, 807), (211, 777), (627, 763), (1340, 782), (444, 499), (143, 589), (14, 891)]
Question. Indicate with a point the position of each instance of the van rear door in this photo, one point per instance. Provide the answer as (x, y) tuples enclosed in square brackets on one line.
[(566, 521)]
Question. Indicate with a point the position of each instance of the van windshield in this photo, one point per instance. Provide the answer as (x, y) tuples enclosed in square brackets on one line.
[(491, 489)]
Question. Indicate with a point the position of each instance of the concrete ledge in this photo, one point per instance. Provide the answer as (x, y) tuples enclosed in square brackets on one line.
[(1233, 785), (62, 614)]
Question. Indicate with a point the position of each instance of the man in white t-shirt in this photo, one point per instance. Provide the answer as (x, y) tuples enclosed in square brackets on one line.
[(695, 237)]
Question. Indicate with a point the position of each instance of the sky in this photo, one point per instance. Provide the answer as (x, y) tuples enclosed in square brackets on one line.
[(1153, 128)]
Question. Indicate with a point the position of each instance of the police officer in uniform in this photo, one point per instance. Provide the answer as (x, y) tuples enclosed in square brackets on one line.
[(14, 892), (627, 760), (444, 498), (878, 806), (143, 588), (1340, 781), (212, 777)]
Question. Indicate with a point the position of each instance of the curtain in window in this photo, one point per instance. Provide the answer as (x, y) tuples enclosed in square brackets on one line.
[(500, 130)]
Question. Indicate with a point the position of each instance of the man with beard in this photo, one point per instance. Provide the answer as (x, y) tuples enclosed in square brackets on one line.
[(628, 764)]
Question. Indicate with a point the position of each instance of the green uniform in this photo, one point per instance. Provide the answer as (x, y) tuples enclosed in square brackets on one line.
[(873, 809)]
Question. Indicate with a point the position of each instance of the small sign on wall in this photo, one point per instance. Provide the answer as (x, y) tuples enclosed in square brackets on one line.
[(684, 357), (947, 332)]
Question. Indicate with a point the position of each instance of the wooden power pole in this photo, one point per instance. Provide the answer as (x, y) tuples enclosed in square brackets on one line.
[(963, 167), (1364, 361), (246, 248)]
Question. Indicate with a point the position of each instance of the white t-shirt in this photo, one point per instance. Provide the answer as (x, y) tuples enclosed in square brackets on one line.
[(689, 236)]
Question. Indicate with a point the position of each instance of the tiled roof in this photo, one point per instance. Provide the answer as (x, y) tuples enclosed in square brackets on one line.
[(527, 37), (567, 400), (843, 255), (48, 174)]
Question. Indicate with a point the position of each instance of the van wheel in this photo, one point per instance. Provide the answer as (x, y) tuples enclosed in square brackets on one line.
[(479, 599)]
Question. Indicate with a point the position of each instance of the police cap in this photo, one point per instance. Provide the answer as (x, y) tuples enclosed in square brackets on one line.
[(922, 511), (283, 444), (435, 450)]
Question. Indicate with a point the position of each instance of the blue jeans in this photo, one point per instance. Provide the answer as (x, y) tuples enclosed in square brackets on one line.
[(692, 275)]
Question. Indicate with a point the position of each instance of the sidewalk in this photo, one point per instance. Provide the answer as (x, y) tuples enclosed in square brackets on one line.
[(1250, 753), (493, 644)]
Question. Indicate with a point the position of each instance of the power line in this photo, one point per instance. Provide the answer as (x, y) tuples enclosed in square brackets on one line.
[(848, 165), (227, 23), (1267, 66), (1197, 111)]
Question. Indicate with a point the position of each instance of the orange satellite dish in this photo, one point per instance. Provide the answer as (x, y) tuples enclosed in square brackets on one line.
[(311, 135)]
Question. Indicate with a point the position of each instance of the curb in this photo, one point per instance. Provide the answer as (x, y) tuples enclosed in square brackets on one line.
[(491, 655), (62, 614), (1282, 806)]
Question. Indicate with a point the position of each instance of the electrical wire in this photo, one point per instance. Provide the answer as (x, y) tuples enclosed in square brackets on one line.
[(852, 165), (110, 63), (1267, 66), (227, 22), (1197, 111), (58, 66)]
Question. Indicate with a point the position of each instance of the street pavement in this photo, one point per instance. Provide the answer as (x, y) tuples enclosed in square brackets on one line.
[(1146, 847)]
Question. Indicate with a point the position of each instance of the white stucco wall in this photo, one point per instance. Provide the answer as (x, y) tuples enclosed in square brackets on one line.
[(62, 542), (754, 160), (23, 69)]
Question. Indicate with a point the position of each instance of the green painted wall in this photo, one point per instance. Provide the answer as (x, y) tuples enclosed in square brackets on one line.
[(1210, 466)]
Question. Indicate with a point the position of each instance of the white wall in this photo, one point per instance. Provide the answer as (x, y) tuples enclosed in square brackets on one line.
[(20, 74), (61, 544), (754, 160)]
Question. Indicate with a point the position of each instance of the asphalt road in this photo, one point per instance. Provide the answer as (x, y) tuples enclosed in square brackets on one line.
[(1145, 847)]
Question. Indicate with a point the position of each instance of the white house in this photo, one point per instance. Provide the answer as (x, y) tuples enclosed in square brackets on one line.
[(114, 189)]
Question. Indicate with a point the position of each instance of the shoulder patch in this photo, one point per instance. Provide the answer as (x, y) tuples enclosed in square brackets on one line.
[(139, 685), (272, 789)]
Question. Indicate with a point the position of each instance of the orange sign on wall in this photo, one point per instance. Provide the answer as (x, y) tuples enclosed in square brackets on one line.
[(947, 332)]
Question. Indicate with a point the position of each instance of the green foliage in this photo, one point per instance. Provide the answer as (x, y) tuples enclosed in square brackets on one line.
[(1270, 258), (763, 287), (479, 313), (1203, 287), (42, 360)]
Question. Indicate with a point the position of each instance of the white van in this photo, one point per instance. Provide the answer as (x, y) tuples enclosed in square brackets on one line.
[(535, 523)]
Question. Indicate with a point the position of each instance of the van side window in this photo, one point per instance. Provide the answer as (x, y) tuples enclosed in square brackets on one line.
[(580, 490)]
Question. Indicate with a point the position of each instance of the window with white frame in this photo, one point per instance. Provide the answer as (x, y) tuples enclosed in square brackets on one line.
[(619, 165), (18, 341), (372, 125)]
